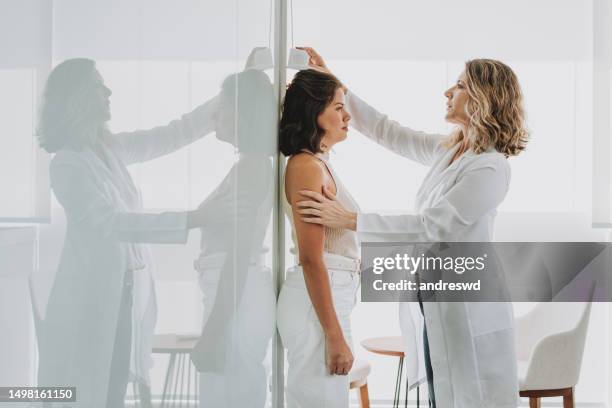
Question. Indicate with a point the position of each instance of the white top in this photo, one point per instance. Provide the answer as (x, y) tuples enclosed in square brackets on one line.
[(445, 206), (247, 185), (337, 240)]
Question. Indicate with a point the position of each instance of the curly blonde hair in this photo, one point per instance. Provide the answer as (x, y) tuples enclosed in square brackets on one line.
[(495, 108)]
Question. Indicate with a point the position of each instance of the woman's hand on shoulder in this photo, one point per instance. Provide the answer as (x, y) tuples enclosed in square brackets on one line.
[(325, 209)]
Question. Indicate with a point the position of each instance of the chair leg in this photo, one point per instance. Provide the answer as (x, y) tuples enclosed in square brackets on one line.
[(534, 402), (364, 396), (568, 398)]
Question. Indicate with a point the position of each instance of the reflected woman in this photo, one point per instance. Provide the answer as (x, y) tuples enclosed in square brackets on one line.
[(319, 292), (238, 295), (104, 278)]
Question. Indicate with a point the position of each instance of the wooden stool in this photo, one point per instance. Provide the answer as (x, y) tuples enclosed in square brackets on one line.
[(392, 346), (180, 368), (358, 377)]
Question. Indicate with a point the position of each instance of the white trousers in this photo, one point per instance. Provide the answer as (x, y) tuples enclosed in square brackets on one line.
[(243, 381), (309, 384)]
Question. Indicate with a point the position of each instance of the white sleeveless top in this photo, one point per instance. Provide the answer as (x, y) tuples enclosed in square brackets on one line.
[(338, 241)]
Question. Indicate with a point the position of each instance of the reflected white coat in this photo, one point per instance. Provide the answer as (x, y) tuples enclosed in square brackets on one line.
[(471, 344), (105, 231)]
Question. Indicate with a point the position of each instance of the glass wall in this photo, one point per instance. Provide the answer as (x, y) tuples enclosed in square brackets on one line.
[(155, 271)]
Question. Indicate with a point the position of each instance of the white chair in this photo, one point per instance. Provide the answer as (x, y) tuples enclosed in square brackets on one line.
[(358, 378), (550, 345)]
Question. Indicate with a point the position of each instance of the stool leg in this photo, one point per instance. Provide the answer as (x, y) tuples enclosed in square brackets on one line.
[(364, 396), (398, 383), (181, 395), (176, 374), (169, 371), (196, 379), (188, 382), (418, 395), (406, 396)]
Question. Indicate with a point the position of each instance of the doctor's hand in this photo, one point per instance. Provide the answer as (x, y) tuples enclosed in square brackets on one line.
[(221, 210), (338, 355), (326, 210), (316, 62)]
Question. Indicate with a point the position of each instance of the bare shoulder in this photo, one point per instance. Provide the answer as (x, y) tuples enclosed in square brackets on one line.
[(304, 164), (303, 172)]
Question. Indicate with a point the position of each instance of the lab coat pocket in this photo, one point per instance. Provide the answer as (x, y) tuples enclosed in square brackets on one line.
[(208, 280), (496, 362), (487, 317)]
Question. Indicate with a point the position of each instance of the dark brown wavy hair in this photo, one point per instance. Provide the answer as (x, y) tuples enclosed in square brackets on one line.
[(307, 96)]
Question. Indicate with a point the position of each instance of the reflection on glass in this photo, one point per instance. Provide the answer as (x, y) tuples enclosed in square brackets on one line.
[(236, 285), (101, 312)]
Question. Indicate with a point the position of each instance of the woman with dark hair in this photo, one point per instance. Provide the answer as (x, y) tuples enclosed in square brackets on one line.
[(237, 291), (104, 280), (319, 293), (469, 347)]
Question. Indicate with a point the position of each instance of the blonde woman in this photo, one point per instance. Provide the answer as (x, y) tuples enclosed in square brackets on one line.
[(469, 347)]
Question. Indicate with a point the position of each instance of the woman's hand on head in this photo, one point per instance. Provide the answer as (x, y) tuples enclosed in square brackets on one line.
[(316, 61), (326, 210)]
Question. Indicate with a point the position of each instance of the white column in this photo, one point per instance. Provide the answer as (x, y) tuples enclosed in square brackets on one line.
[(17, 342), (602, 88)]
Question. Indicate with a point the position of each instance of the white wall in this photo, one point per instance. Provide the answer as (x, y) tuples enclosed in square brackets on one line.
[(400, 56), (602, 112), (25, 60), (18, 248)]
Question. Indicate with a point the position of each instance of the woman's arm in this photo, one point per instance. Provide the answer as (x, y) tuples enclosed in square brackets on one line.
[(414, 145), (304, 173), (144, 145), (86, 204), (477, 192), (402, 140)]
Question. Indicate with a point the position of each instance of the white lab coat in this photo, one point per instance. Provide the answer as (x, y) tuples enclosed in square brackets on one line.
[(471, 344), (106, 227)]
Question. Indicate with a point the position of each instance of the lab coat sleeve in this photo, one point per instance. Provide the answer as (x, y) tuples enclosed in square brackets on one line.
[(414, 145), (144, 145), (477, 191), (87, 206)]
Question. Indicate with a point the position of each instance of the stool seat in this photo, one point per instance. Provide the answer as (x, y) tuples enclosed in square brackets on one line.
[(174, 343), (359, 373), (178, 347), (388, 346), (392, 346)]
